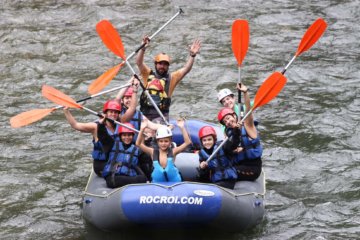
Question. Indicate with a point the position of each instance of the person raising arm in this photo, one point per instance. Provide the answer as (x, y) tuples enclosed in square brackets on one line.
[(164, 156)]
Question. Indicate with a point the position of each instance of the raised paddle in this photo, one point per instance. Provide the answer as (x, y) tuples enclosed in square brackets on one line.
[(270, 88), (148, 95), (310, 37), (118, 48), (26, 118), (105, 78), (111, 38), (60, 98), (240, 42)]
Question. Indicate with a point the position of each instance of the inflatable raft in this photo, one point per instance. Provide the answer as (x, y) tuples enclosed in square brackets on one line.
[(187, 204)]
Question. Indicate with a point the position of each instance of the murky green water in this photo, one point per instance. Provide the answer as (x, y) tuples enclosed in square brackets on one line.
[(310, 131)]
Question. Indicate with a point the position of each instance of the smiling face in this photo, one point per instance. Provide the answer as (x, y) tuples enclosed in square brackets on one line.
[(208, 141), (112, 114), (228, 101), (164, 143), (229, 120), (126, 101), (127, 137), (162, 67)]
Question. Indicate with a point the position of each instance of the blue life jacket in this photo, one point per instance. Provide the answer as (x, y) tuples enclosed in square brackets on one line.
[(97, 153), (135, 121), (122, 161), (252, 148), (220, 165), (168, 174)]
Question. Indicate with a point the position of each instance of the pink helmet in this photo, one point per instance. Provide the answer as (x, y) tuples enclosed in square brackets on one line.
[(123, 129), (111, 105), (206, 131), (223, 112), (129, 91)]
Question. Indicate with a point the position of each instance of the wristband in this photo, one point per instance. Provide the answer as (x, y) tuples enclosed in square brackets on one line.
[(193, 55)]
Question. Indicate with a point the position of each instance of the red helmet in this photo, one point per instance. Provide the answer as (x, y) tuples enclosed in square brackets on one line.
[(206, 131), (223, 112), (129, 91), (123, 129), (111, 105)]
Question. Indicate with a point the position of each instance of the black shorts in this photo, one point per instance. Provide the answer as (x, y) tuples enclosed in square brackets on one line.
[(249, 171), (98, 167)]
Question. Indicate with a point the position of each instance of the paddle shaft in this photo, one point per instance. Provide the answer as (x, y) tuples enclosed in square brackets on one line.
[(239, 81), (154, 34), (239, 96), (226, 139), (108, 119), (310, 37), (98, 94), (288, 65), (256, 104), (148, 94)]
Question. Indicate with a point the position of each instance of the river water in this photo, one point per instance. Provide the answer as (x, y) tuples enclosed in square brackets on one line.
[(310, 132)]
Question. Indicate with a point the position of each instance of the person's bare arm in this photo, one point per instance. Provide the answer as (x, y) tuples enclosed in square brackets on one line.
[(140, 57), (151, 125), (140, 140), (122, 91), (129, 114), (187, 141), (249, 121), (90, 127), (194, 49), (178, 75)]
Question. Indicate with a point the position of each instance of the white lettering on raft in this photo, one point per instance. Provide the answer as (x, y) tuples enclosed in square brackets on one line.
[(170, 200)]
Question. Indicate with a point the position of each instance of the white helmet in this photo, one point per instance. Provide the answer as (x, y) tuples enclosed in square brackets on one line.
[(163, 132), (224, 93)]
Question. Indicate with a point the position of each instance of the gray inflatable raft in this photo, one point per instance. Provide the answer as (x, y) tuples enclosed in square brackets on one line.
[(187, 204)]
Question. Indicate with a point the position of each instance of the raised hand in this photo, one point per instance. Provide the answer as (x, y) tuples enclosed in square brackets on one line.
[(242, 87), (144, 123), (135, 83), (146, 40), (195, 47), (180, 122)]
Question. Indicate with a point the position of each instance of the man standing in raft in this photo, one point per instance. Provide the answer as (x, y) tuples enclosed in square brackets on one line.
[(160, 82)]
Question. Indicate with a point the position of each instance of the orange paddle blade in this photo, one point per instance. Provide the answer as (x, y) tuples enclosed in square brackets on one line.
[(110, 38), (240, 39), (310, 37), (29, 117), (270, 88), (102, 81), (58, 97)]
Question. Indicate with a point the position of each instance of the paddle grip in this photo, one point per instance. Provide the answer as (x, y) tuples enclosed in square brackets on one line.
[(239, 96), (141, 84), (138, 49), (83, 100)]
